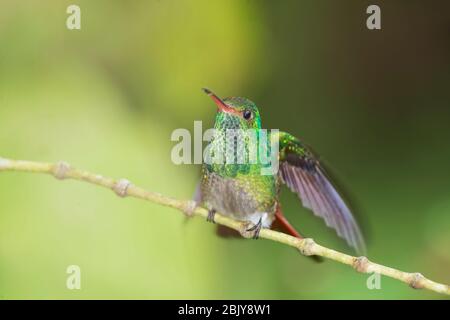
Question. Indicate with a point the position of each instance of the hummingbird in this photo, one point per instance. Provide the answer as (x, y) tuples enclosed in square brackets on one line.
[(240, 191)]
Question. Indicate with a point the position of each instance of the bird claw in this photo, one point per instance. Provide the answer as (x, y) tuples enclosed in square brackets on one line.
[(256, 229), (211, 215)]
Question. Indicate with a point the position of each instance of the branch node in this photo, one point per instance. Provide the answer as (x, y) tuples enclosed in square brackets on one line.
[(188, 208), (60, 170), (416, 280), (361, 264), (245, 231), (306, 247), (121, 187)]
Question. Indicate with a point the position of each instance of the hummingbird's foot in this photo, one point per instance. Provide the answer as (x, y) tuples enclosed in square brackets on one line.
[(256, 229), (211, 215)]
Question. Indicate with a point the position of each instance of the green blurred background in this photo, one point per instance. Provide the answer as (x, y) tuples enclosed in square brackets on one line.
[(374, 104)]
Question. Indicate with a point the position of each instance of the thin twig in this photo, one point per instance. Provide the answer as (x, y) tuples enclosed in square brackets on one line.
[(307, 247)]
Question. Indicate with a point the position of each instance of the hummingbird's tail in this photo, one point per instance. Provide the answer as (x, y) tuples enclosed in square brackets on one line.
[(282, 223)]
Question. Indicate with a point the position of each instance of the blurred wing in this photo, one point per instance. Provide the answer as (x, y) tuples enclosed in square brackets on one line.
[(303, 174)]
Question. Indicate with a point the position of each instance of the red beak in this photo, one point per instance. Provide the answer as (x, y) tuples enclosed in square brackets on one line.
[(220, 104)]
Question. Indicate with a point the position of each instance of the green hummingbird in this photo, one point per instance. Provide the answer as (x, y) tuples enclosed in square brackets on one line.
[(240, 191)]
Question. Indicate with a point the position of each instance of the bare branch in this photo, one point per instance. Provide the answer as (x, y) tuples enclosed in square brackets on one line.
[(308, 247)]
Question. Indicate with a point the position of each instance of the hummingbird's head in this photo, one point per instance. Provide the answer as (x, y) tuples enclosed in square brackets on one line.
[(235, 113)]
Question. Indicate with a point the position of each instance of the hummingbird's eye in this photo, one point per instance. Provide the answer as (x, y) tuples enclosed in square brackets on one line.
[(247, 114)]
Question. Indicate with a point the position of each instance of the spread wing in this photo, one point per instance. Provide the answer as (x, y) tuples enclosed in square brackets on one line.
[(301, 171)]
